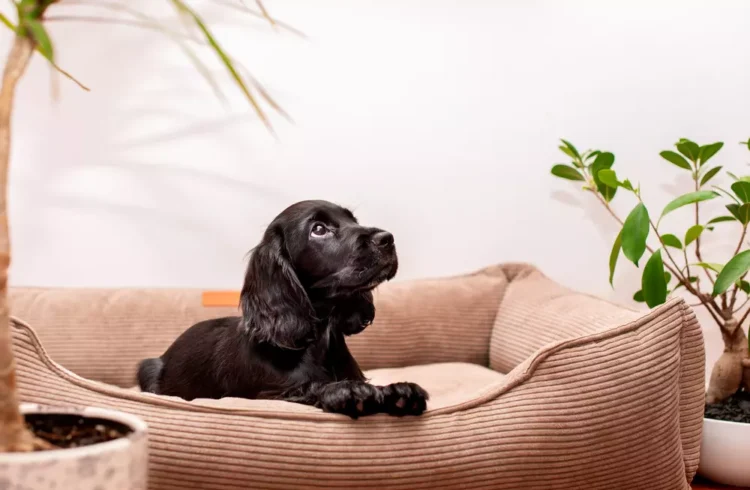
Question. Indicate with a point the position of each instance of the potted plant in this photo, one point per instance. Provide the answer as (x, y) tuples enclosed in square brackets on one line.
[(102, 448), (676, 264)]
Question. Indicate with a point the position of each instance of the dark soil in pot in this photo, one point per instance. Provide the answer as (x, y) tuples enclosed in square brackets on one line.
[(68, 431), (736, 408)]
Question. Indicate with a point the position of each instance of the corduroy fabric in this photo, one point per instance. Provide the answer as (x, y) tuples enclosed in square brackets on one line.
[(102, 334), (617, 406)]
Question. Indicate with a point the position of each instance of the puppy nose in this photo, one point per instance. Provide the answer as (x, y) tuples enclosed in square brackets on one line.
[(383, 239)]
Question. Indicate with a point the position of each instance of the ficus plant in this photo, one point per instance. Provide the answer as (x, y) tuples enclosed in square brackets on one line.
[(673, 262), (30, 36)]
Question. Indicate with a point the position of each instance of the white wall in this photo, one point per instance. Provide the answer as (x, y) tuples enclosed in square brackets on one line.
[(436, 120)]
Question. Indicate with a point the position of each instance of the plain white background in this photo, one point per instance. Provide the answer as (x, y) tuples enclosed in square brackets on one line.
[(437, 120)]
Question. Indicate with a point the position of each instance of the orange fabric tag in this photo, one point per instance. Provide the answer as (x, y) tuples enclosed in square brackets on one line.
[(221, 298)]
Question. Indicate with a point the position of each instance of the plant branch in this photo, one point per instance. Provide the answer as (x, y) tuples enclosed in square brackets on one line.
[(742, 305), (705, 299), (744, 317)]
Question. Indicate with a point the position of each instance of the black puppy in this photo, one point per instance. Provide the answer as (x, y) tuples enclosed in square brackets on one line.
[(308, 285)]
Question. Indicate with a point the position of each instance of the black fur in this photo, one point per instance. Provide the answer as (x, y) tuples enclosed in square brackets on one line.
[(308, 285)]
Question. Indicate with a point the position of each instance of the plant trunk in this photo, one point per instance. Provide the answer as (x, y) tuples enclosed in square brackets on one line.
[(13, 433), (732, 369)]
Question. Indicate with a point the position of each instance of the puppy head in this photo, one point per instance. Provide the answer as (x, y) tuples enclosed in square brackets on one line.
[(313, 249)]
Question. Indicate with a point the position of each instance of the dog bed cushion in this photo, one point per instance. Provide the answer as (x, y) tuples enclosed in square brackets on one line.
[(594, 395)]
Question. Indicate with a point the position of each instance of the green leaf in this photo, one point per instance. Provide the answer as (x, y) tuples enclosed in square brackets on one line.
[(591, 155), (572, 148), (746, 143), (183, 8), (745, 286), (675, 158), (710, 266), (627, 185), (604, 160), (667, 277), (707, 151), (688, 148), (569, 150), (670, 240), (735, 269), (742, 190), (686, 199), (40, 36), (721, 219), (732, 175), (692, 234), (7, 22), (634, 233), (726, 193), (653, 282), (710, 175), (638, 296), (608, 177), (613, 256), (566, 172), (742, 213)]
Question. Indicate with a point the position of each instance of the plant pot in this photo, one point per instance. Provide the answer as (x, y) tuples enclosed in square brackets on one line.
[(118, 464), (724, 452)]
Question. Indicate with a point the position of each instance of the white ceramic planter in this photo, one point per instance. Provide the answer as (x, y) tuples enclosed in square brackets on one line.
[(724, 452), (120, 464)]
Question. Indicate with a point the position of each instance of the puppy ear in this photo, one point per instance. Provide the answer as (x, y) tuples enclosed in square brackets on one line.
[(275, 306)]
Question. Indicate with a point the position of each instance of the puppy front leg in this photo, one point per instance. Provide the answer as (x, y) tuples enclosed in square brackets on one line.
[(357, 398), (348, 397)]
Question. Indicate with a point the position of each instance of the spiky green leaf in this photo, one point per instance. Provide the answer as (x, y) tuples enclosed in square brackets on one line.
[(184, 8), (41, 38)]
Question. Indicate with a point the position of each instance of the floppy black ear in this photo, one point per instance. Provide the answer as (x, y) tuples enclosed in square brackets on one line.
[(275, 306)]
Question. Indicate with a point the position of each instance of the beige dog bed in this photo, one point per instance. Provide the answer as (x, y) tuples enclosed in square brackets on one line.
[(533, 386)]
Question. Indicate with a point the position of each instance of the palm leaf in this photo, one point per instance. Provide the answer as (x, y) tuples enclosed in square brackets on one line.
[(150, 23), (181, 6), (7, 22)]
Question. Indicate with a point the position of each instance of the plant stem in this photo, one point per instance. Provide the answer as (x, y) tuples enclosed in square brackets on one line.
[(741, 306), (13, 433)]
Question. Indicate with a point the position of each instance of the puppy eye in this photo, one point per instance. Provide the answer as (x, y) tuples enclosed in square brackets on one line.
[(318, 230)]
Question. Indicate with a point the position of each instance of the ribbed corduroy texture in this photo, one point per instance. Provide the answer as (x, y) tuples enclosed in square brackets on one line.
[(595, 405), (101, 334)]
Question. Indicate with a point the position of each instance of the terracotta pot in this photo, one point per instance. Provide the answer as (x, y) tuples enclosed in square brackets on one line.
[(120, 464), (724, 452)]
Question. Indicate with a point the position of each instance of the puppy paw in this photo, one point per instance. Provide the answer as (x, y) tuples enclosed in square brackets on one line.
[(404, 399), (352, 398)]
